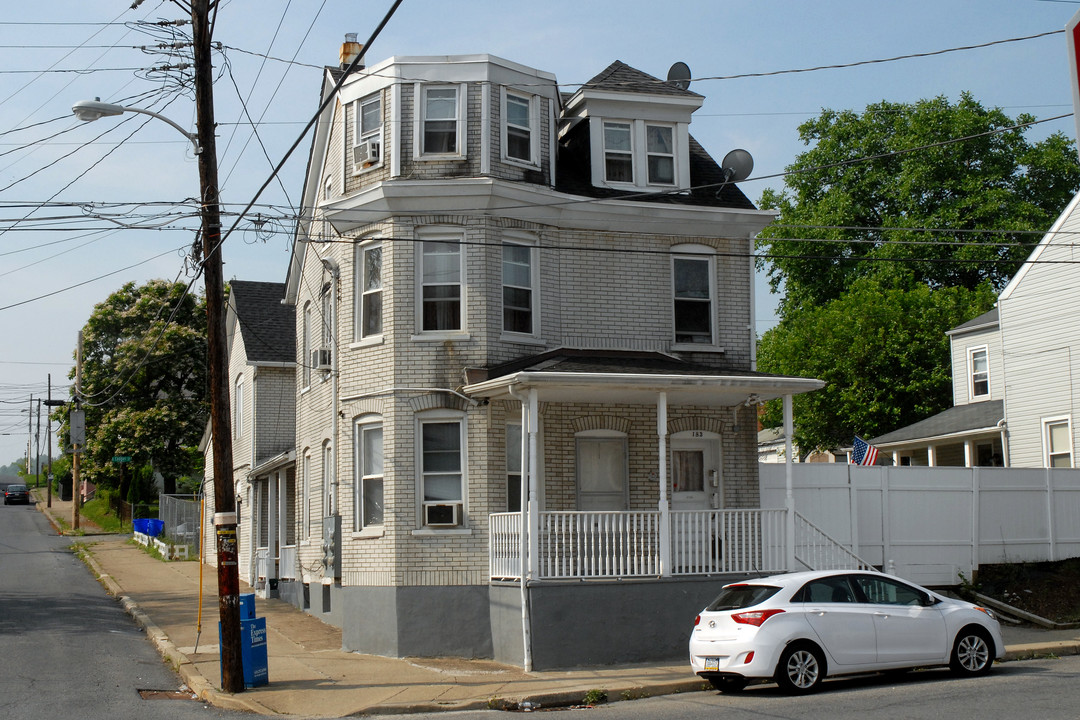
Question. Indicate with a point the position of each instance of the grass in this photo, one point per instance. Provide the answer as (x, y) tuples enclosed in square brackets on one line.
[(99, 513)]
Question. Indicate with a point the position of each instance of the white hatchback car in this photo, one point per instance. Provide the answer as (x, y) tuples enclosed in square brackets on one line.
[(800, 628)]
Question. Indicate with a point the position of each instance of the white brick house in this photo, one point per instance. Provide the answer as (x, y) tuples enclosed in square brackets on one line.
[(526, 361)]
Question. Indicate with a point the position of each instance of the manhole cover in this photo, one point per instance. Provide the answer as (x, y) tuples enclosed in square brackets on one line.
[(166, 695)]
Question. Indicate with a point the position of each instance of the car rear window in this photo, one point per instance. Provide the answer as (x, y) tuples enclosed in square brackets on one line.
[(736, 597)]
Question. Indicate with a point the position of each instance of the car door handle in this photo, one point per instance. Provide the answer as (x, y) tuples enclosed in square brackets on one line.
[(881, 615)]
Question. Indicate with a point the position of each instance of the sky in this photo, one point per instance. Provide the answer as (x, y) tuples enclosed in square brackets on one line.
[(70, 192)]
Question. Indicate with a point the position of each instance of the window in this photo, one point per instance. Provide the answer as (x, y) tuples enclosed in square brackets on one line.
[(440, 123), (692, 279), (369, 297), (660, 152), (328, 480), (367, 133), (305, 480), (1057, 438), (441, 287), (602, 471), (885, 591), (517, 279), (369, 474), (442, 477), (513, 467), (305, 345), (238, 408), (518, 128), (979, 367), (618, 153), (327, 317)]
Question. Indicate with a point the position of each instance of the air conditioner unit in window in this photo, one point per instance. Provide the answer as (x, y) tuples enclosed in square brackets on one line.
[(320, 359), (442, 515), (367, 152)]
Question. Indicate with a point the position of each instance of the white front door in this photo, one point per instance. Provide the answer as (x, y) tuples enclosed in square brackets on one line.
[(696, 486)]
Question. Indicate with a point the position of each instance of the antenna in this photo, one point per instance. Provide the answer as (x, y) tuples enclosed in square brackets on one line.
[(679, 75)]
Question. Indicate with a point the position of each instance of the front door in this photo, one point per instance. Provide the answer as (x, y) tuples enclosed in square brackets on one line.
[(696, 487)]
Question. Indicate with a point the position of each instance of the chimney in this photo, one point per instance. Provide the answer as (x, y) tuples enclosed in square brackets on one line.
[(350, 49)]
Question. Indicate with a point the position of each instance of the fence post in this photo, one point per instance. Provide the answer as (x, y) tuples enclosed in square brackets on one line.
[(976, 483), (1050, 513)]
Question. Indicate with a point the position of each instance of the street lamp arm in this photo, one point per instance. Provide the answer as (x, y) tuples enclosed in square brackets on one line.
[(90, 110)]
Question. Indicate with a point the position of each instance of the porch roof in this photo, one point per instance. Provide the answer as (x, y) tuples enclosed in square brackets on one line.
[(956, 423), (566, 375)]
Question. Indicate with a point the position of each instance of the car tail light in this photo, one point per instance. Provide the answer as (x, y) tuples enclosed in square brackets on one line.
[(749, 658), (754, 617), (697, 621)]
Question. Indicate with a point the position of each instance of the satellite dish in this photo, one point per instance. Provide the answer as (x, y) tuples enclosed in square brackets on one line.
[(737, 166), (679, 75)]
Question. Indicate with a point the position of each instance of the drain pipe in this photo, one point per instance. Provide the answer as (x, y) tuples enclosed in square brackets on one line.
[(335, 272), (526, 482)]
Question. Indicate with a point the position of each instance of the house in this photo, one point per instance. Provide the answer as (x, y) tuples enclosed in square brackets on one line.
[(1015, 373), (525, 401), (261, 333)]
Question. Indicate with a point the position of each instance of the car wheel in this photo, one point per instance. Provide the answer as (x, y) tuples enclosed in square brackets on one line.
[(972, 652), (728, 684), (801, 668)]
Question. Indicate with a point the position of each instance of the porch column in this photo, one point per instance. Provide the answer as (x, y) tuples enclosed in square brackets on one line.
[(665, 515), (931, 455), (271, 528), (969, 453), (789, 491), (534, 504)]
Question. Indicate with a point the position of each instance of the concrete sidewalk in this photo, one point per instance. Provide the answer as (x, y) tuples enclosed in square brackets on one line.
[(311, 676)]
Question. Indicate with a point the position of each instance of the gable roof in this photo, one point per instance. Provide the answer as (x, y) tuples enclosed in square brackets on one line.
[(969, 418), (986, 320), (620, 77), (267, 325)]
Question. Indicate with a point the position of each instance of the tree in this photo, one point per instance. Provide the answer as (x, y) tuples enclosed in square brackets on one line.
[(144, 382), (906, 246), (980, 197), (882, 352)]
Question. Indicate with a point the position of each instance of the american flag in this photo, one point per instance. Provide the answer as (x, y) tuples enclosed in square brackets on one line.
[(863, 453)]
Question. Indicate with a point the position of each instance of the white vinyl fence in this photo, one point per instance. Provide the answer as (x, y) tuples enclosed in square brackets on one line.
[(931, 524)]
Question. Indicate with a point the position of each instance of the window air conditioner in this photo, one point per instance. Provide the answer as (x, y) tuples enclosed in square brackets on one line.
[(320, 359), (367, 152), (443, 515)]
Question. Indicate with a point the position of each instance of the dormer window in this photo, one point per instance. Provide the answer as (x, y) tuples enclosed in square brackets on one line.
[(618, 153), (660, 149), (518, 128)]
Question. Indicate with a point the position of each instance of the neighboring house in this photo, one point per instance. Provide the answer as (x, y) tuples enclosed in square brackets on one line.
[(261, 333), (772, 448), (1016, 372), (524, 345)]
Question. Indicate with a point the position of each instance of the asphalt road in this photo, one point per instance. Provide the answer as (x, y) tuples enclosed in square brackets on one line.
[(68, 650)]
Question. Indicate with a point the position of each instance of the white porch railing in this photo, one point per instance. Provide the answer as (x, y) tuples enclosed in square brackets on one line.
[(817, 551), (627, 544), (262, 563), (287, 564)]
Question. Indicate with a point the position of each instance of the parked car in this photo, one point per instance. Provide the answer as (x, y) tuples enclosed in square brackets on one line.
[(800, 628), (16, 494)]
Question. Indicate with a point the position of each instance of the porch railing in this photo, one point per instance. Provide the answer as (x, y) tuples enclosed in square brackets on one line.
[(627, 544), (262, 563), (287, 564), (816, 550)]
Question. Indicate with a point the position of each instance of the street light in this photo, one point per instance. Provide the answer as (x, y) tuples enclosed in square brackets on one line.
[(91, 110)]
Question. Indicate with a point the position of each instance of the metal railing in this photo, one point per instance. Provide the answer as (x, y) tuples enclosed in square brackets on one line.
[(815, 549), (181, 515)]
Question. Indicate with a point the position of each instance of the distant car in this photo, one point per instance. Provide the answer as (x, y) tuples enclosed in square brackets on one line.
[(16, 494), (800, 628)]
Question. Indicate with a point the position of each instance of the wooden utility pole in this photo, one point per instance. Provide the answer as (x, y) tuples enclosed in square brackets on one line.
[(232, 672), (76, 450)]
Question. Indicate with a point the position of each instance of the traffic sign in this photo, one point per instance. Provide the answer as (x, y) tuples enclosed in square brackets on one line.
[(121, 458)]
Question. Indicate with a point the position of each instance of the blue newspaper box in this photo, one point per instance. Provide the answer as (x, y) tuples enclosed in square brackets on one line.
[(252, 652), (247, 606)]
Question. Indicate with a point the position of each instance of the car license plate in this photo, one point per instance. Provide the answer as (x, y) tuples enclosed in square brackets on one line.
[(712, 663)]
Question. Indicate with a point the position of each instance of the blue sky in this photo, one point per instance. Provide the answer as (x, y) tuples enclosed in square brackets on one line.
[(573, 39)]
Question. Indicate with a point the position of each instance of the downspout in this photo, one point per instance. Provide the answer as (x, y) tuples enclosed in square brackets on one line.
[(526, 630), (335, 273), (789, 491), (665, 514), (1004, 428)]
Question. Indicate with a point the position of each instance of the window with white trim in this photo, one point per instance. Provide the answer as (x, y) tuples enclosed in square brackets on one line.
[(513, 467), (367, 133), (238, 408), (368, 471), (442, 120), (693, 286), (1057, 439), (368, 292), (519, 131), (979, 372), (329, 508), (305, 344), (602, 471), (442, 467), (618, 152), (518, 288), (441, 288), (660, 154)]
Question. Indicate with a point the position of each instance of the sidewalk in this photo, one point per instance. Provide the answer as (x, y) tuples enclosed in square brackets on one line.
[(311, 676)]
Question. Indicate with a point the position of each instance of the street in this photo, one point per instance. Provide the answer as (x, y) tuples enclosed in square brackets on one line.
[(69, 650)]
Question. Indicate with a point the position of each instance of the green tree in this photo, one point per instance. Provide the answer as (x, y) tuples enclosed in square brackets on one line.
[(144, 382), (882, 352), (978, 196), (904, 246)]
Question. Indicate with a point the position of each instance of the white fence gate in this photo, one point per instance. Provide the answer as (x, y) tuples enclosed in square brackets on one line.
[(931, 524)]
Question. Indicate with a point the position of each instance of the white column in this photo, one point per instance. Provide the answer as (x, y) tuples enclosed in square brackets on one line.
[(665, 515), (272, 527), (789, 491), (534, 505), (969, 453), (931, 455)]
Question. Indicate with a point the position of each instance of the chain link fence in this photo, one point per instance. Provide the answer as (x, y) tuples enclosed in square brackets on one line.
[(181, 515)]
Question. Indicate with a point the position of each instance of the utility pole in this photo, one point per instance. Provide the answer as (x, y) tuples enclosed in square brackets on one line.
[(232, 672), (76, 450), (37, 447), (29, 436)]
